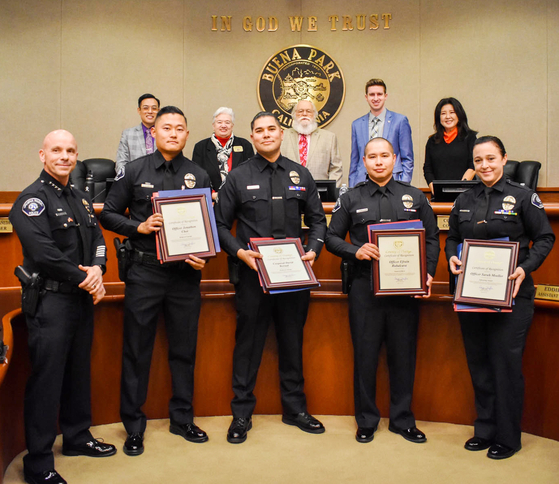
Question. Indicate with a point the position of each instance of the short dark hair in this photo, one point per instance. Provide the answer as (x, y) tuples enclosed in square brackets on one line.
[(147, 95), (463, 128), (263, 114), (375, 82), (170, 110), (492, 139), (379, 138)]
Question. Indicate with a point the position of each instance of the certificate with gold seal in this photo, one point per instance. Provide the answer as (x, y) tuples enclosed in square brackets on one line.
[(486, 267), (281, 267), (188, 224), (401, 269)]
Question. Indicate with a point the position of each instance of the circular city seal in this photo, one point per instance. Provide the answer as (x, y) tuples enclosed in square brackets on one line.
[(301, 73), (189, 180)]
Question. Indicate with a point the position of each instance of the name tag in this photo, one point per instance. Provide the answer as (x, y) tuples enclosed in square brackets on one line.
[(298, 189), (362, 210), (237, 148), (463, 210), (147, 185), (253, 187)]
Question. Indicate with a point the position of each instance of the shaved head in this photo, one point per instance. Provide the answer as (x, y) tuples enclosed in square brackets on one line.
[(59, 154), (57, 134)]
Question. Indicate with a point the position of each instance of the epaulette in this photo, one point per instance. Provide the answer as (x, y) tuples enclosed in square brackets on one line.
[(359, 184), (406, 184), (518, 185)]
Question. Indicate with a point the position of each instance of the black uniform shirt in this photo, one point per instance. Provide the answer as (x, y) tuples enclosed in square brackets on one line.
[(49, 231), (359, 207), (133, 189), (246, 196), (514, 211)]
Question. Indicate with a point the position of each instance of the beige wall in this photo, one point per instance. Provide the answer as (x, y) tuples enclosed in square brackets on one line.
[(81, 65)]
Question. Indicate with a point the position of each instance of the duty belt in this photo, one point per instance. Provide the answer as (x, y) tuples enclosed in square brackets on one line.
[(61, 287), (145, 258)]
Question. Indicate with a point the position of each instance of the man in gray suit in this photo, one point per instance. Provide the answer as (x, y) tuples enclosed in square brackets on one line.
[(315, 148), (137, 141)]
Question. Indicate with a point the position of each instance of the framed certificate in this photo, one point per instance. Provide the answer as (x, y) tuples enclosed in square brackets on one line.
[(401, 269), (486, 267), (281, 266), (187, 225)]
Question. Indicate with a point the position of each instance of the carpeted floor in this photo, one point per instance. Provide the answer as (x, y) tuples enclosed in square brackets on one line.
[(278, 453)]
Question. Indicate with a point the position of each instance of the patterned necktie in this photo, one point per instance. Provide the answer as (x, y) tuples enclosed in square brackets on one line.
[(303, 149), (374, 129), (149, 144)]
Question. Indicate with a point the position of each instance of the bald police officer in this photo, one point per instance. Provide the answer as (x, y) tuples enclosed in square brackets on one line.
[(62, 277)]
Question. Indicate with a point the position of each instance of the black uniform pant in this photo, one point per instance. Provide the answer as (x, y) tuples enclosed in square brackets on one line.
[(149, 291), (374, 320), (255, 310), (494, 346), (59, 388)]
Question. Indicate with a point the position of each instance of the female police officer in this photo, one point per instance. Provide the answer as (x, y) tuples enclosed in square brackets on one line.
[(494, 342)]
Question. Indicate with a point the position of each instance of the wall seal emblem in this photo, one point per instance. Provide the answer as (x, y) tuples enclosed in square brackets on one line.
[(298, 73)]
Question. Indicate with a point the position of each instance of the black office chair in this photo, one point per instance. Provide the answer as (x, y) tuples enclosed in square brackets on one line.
[(528, 173), (77, 177), (102, 172), (525, 172)]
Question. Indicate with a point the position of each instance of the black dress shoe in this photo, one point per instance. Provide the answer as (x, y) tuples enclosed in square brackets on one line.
[(93, 448), (305, 421), (500, 451), (477, 443), (46, 477), (134, 444), (413, 434), (189, 431), (365, 434), (238, 429)]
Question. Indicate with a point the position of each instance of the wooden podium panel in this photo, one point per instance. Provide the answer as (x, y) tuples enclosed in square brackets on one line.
[(443, 390)]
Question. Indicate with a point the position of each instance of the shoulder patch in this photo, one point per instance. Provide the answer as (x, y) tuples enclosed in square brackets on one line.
[(536, 201), (33, 207), (120, 174)]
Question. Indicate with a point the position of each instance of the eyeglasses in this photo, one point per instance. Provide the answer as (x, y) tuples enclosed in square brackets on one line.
[(224, 123)]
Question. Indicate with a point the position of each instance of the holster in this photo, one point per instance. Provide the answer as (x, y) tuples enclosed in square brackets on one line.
[(348, 272), (124, 257), (30, 290), (233, 264)]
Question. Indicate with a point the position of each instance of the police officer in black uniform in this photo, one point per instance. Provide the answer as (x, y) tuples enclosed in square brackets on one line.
[(495, 342), (267, 195), (151, 287), (393, 319), (62, 277)]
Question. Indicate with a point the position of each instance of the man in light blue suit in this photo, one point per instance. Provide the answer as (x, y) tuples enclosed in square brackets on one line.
[(138, 141), (380, 122)]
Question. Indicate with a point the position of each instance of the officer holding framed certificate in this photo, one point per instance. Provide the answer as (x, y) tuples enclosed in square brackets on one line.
[(267, 196), (494, 342), (393, 319)]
